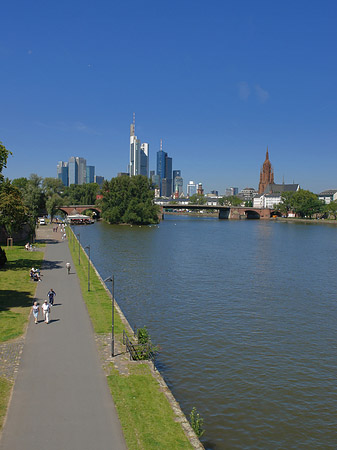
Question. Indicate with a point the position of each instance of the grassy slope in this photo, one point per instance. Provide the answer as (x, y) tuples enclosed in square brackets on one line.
[(146, 416)]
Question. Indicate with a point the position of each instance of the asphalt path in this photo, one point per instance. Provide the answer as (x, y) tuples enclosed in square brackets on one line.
[(61, 400)]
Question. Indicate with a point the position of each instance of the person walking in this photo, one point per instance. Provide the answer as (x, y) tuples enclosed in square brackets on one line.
[(68, 266), (36, 310), (46, 311), (51, 294)]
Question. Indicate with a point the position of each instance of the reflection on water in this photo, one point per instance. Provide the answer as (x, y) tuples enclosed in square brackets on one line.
[(245, 314)]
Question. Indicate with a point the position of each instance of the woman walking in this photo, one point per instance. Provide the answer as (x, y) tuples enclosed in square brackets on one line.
[(36, 310)]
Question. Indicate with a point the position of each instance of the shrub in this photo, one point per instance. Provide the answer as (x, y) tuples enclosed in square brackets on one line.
[(197, 422)]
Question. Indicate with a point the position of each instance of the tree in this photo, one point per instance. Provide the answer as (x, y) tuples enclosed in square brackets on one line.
[(13, 213), (4, 153), (129, 200), (198, 199), (303, 203), (331, 209), (52, 205), (51, 186)]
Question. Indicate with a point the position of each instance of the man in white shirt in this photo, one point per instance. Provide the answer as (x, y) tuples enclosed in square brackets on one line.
[(46, 311)]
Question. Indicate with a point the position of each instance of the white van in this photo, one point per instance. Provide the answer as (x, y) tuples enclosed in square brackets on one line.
[(42, 221)]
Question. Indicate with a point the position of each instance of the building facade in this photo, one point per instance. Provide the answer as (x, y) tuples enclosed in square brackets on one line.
[(139, 155), (62, 172)]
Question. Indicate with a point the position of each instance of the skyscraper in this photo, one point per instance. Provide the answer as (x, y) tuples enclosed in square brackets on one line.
[(73, 170), (139, 154), (82, 170), (90, 176), (164, 170), (62, 172)]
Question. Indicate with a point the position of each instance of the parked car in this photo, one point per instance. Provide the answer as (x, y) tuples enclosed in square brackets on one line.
[(42, 221)]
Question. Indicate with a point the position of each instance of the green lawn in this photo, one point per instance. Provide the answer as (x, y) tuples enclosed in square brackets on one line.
[(5, 390), (146, 416), (16, 290)]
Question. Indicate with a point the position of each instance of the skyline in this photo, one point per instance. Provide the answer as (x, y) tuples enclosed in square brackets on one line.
[(219, 83)]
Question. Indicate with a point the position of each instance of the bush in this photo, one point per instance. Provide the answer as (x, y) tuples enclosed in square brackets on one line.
[(3, 257), (197, 422)]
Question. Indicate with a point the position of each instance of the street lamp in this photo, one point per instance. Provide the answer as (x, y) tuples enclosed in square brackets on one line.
[(112, 313), (88, 247), (79, 249)]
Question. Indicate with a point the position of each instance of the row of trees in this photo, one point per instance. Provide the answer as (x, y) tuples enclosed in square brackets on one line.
[(306, 204), (129, 200)]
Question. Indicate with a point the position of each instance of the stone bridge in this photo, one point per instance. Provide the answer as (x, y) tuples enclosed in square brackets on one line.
[(226, 212), (71, 210)]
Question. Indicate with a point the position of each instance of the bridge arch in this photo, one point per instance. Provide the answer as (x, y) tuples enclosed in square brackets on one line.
[(252, 215)]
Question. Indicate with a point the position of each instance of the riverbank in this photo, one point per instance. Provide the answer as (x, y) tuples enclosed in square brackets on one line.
[(306, 221), (150, 416)]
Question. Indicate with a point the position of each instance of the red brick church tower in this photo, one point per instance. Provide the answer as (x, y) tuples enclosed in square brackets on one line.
[(266, 174)]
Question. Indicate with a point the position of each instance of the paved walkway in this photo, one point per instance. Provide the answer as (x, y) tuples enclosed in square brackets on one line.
[(61, 400)]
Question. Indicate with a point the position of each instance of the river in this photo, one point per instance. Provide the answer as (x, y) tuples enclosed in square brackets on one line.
[(245, 315)]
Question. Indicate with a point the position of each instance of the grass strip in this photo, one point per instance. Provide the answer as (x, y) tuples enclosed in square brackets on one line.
[(97, 299), (146, 416), (17, 290), (5, 391)]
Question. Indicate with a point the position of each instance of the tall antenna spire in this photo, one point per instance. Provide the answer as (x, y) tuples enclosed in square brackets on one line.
[(132, 126), (161, 145), (267, 154)]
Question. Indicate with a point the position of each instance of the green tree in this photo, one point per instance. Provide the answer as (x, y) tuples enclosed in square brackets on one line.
[(51, 186), (52, 205), (13, 213), (4, 153), (129, 200), (198, 199), (331, 209)]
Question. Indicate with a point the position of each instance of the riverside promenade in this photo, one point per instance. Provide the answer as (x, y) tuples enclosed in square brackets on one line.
[(61, 400)]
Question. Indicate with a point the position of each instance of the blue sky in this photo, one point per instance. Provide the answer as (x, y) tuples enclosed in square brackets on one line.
[(218, 81)]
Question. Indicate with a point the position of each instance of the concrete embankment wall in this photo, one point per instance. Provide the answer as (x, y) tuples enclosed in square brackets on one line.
[(180, 416)]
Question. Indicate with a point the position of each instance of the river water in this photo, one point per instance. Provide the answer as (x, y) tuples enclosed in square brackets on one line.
[(245, 314)]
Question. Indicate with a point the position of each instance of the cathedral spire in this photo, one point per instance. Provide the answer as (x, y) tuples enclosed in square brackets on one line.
[(266, 174)]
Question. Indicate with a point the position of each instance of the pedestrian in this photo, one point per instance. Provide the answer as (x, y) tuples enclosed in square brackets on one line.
[(36, 310), (68, 266), (51, 294), (46, 311)]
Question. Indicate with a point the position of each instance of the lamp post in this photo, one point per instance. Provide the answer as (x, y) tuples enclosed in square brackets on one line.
[(79, 249), (112, 313), (88, 247)]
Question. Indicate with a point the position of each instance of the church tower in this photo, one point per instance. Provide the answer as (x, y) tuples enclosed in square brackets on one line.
[(266, 174)]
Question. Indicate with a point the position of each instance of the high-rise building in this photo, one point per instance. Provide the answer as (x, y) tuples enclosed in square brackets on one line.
[(82, 170), (232, 191), (191, 188), (164, 170), (90, 178), (177, 183), (99, 180), (62, 172), (139, 154), (73, 170), (266, 174)]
